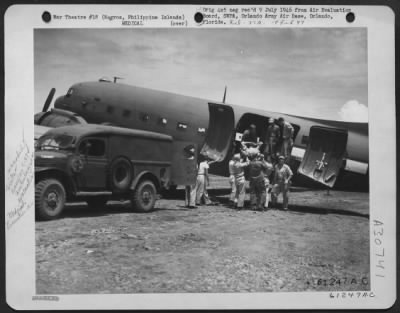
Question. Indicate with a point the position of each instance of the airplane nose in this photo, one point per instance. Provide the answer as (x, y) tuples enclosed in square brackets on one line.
[(61, 102)]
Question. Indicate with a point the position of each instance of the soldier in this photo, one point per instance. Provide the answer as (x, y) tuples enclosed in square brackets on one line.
[(271, 138), (282, 176), (190, 190), (232, 198), (240, 182), (202, 181), (250, 135), (257, 167), (287, 137), (267, 175)]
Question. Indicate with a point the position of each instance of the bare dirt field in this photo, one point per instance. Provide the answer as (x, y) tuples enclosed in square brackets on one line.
[(320, 244)]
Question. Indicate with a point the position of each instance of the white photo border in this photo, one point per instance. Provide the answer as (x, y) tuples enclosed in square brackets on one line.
[(20, 22)]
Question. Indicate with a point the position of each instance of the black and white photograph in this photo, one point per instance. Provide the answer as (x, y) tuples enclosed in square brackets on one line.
[(273, 124), (200, 160)]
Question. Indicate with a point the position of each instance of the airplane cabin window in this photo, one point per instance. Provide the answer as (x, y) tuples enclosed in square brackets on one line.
[(162, 121), (144, 117), (181, 126)]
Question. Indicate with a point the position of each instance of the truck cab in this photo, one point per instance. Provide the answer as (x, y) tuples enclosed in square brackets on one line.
[(97, 163)]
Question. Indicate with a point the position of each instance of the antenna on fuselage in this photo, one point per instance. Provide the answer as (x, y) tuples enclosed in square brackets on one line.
[(116, 78), (223, 100)]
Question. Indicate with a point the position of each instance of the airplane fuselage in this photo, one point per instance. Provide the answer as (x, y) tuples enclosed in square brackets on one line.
[(142, 108), (187, 118)]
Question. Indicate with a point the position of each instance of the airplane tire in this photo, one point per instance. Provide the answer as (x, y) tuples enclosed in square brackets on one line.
[(120, 175), (49, 199), (144, 196)]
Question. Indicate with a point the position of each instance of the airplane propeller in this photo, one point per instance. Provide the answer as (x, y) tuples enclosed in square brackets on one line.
[(49, 99)]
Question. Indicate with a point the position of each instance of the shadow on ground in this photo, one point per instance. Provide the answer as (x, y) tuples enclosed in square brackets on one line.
[(302, 209)]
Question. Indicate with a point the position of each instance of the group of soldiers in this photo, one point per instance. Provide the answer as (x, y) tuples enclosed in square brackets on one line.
[(278, 139), (267, 171)]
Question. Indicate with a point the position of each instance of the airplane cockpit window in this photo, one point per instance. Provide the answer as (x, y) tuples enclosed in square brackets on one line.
[(181, 126), (70, 92), (92, 147)]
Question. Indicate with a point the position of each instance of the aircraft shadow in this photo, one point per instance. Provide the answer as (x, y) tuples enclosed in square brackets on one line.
[(300, 209), (314, 210)]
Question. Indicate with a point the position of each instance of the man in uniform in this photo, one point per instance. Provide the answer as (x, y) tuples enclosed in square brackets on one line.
[(240, 182), (190, 190), (257, 167), (271, 138), (282, 176), (232, 198), (250, 135), (202, 181), (267, 181), (287, 137), (249, 138)]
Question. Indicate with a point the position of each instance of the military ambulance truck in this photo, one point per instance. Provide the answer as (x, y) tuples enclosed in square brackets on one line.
[(98, 163)]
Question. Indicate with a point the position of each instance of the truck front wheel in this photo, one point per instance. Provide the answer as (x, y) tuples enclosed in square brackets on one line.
[(49, 199), (144, 196)]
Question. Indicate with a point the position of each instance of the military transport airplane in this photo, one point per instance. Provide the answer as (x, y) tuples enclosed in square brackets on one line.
[(322, 148)]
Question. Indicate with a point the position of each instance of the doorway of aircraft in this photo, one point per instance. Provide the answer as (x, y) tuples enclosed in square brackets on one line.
[(261, 122)]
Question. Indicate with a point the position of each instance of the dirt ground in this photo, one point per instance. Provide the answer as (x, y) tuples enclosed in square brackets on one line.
[(320, 244)]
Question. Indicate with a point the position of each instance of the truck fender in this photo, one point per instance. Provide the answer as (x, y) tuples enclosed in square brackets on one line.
[(143, 174)]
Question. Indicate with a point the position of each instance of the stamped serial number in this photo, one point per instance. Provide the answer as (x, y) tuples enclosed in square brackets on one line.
[(335, 281), (352, 294)]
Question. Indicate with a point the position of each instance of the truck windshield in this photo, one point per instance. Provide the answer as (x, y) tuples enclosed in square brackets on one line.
[(54, 142)]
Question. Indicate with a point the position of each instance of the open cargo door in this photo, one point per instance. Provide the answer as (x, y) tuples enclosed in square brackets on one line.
[(220, 131), (184, 163), (323, 158)]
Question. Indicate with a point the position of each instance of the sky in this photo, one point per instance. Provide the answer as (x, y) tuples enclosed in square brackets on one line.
[(313, 72)]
